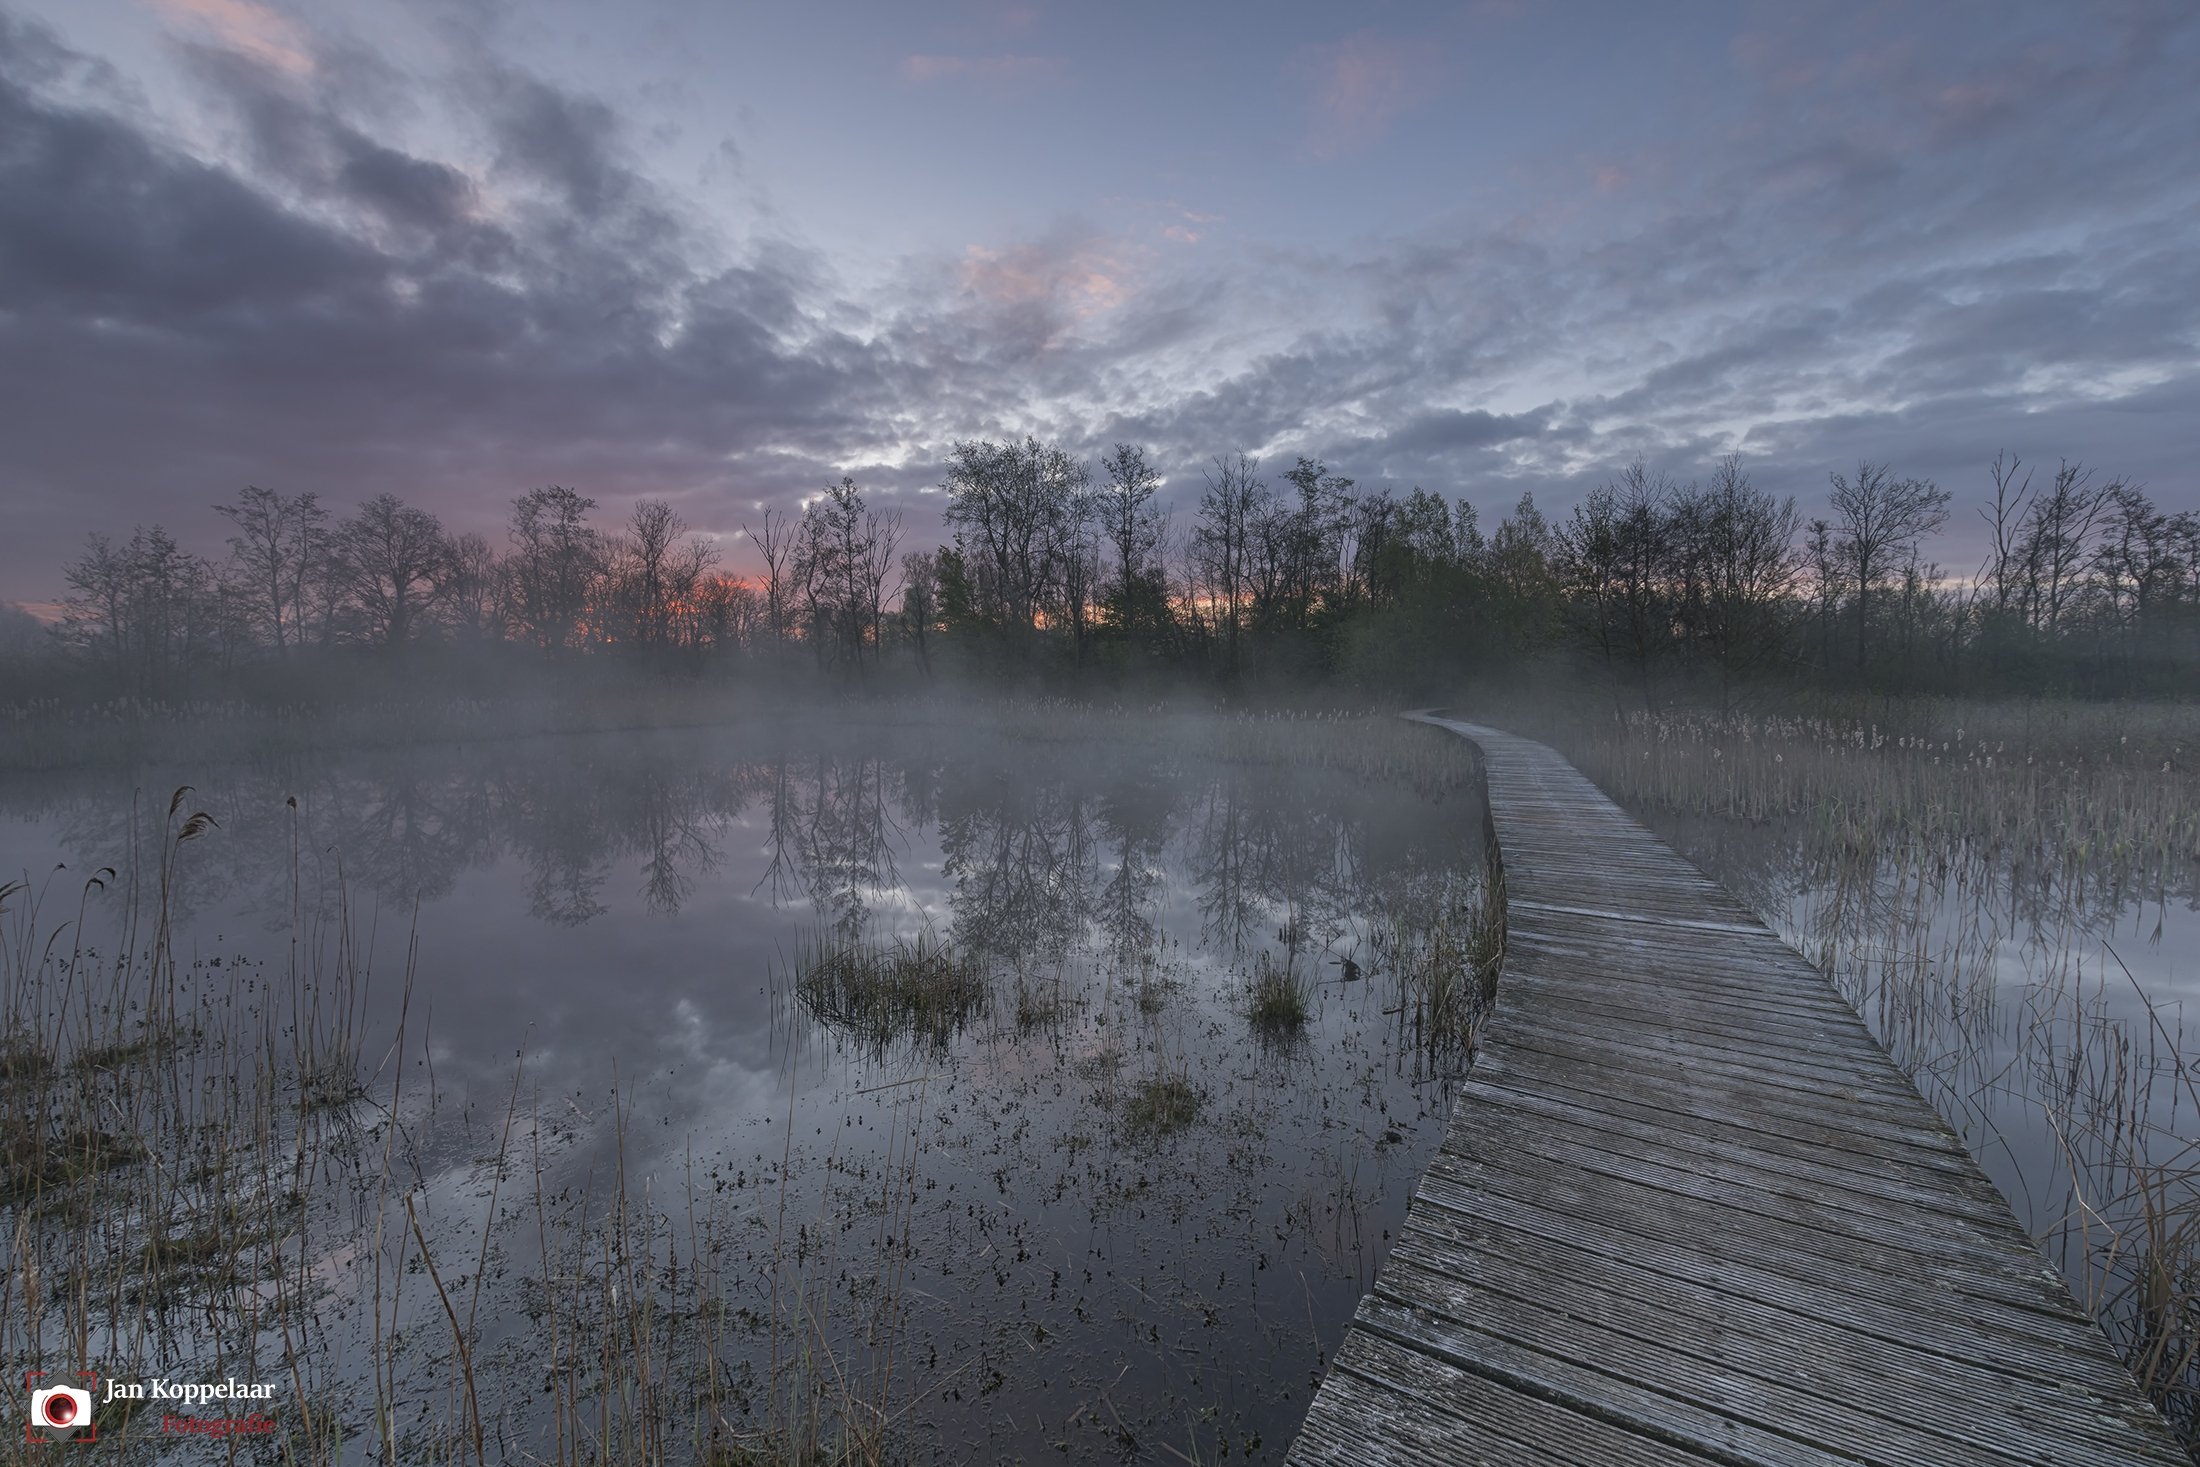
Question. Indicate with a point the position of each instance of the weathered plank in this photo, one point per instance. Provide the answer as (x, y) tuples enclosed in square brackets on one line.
[(1687, 1210)]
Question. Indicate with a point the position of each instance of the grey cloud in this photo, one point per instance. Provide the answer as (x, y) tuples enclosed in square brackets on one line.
[(1451, 428), (562, 142), (173, 329), (96, 220), (404, 189), (1878, 260)]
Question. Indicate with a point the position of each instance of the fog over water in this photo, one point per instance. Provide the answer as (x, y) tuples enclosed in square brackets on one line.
[(628, 912)]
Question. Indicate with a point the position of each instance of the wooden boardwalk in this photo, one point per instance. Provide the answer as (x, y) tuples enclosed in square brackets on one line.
[(1687, 1211)]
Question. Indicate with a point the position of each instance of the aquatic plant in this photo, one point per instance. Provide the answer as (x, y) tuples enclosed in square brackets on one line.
[(889, 989), (159, 1137), (1279, 997), (1443, 949), (1162, 1104)]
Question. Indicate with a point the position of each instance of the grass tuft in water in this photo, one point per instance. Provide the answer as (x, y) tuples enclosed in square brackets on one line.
[(890, 990), (1042, 1004), (1281, 997), (1447, 965), (1162, 1106)]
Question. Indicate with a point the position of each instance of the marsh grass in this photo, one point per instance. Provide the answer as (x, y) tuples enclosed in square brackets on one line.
[(1279, 998), (2102, 791), (154, 1170), (176, 1183), (1162, 1105), (1444, 950), (1045, 1003), (886, 990)]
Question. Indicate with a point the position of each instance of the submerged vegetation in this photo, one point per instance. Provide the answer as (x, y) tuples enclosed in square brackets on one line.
[(1162, 1105)]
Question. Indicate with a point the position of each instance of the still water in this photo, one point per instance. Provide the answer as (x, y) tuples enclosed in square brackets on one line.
[(1102, 1214)]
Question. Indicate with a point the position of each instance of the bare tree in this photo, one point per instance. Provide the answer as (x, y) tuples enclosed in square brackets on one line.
[(845, 558), (556, 565), (719, 615), (2137, 566), (149, 612), (280, 544), (2004, 520), (920, 602), (1077, 560), (2057, 541), (656, 566), (1376, 521), (643, 561), (1615, 556), (1592, 565), (1521, 564), (391, 563), (777, 544), (472, 589), (1127, 515), (1304, 548), (1878, 521), (1013, 508), (1753, 563), (879, 541), (1222, 548)]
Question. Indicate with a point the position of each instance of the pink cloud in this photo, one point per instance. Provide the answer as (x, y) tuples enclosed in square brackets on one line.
[(1189, 227), (1042, 291), (265, 35), (1083, 281), (1361, 84)]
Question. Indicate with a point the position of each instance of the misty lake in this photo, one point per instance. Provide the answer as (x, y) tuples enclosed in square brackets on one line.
[(596, 1073)]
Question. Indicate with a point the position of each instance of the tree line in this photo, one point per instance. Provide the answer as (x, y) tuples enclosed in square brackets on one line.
[(147, 617), (1655, 588), (1055, 568)]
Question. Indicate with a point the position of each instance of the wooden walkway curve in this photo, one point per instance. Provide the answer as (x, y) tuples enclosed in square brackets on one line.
[(1687, 1211)]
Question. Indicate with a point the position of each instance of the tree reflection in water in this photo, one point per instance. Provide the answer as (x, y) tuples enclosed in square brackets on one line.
[(624, 910), (1033, 857)]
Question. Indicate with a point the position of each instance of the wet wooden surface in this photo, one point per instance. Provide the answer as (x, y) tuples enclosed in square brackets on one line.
[(1688, 1211)]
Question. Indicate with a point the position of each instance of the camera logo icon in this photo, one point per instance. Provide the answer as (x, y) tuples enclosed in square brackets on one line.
[(60, 1413)]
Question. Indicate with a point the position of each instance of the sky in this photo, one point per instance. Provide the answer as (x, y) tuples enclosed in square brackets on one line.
[(723, 253)]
